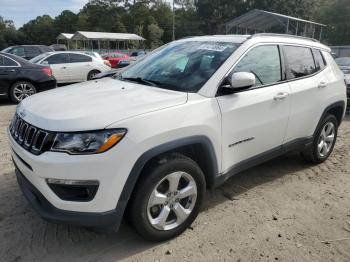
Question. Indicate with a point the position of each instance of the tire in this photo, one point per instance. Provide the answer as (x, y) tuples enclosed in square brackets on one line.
[(323, 143), (92, 73), (21, 90), (145, 215)]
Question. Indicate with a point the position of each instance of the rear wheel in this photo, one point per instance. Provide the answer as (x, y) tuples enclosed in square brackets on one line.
[(92, 74), (168, 198), (324, 141), (21, 90)]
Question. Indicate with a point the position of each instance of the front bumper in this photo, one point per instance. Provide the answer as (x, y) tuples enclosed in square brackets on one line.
[(107, 204), (46, 210)]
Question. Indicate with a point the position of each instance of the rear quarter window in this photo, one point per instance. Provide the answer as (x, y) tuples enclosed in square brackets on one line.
[(319, 59), (300, 61)]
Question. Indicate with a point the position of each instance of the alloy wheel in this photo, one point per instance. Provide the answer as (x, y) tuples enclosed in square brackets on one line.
[(326, 140), (23, 90), (172, 201)]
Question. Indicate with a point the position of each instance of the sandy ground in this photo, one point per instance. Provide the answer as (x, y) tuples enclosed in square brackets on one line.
[(279, 211)]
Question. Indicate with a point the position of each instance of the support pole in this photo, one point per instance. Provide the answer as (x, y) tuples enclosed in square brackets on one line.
[(296, 31), (173, 20), (321, 34)]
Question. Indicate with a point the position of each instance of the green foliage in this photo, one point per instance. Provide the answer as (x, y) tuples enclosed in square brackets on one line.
[(336, 14), (153, 19), (41, 30), (154, 35), (8, 34)]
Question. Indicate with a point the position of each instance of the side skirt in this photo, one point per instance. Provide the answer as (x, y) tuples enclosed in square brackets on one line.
[(295, 145)]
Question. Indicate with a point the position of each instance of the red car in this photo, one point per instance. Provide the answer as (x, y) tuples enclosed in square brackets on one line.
[(117, 59)]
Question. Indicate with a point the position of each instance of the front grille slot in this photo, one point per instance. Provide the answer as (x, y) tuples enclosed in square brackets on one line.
[(31, 138)]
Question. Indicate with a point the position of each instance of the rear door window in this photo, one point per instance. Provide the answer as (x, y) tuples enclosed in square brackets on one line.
[(300, 61), (7, 62), (77, 58)]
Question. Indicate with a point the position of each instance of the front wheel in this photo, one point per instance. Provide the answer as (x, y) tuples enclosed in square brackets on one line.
[(21, 90), (324, 141), (167, 198)]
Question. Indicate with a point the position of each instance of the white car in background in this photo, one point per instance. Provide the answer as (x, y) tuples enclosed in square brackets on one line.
[(72, 67)]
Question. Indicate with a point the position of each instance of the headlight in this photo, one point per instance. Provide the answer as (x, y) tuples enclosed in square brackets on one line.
[(87, 142)]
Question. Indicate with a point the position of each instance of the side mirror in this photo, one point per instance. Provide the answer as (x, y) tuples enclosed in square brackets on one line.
[(45, 63), (241, 80)]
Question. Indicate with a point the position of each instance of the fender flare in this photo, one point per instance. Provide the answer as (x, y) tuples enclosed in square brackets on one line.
[(160, 149), (329, 108)]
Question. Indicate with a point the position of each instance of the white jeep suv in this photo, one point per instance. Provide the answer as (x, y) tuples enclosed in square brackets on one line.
[(150, 141)]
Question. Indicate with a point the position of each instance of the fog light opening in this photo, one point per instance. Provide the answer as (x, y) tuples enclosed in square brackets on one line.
[(73, 190)]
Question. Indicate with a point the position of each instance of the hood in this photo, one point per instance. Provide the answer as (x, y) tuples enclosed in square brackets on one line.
[(95, 104)]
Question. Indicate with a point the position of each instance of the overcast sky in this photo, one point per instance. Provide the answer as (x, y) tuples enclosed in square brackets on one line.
[(22, 11)]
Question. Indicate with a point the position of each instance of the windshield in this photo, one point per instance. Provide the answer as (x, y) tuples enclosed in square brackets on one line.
[(38, 58), (181, 66), (343, 61)]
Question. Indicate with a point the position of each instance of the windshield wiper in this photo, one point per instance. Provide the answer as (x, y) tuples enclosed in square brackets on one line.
[(141, 80)]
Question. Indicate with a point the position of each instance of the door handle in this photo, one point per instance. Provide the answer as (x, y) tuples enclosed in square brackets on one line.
[(64, 67), (322, 85), (10, 71), (281, 96)]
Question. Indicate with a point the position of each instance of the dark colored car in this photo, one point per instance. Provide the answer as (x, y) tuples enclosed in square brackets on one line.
[(20, 78), (344, 65), (28, 51)]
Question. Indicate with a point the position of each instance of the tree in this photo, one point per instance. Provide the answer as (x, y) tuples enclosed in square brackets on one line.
[(40, 30), (154, 36), (336, 14), (8, 34), (66, 22)]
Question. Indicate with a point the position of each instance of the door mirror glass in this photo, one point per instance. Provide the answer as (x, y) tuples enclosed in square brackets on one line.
[(242, 80)]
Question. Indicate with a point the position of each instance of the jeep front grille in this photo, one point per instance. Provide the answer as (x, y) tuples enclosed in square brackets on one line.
[(31, 138)]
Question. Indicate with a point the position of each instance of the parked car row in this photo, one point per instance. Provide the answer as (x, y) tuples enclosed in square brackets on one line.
[(344, 65), (120, 60), (26, 70)]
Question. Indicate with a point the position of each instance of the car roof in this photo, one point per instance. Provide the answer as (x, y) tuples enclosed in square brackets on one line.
[(261, 38), (71, 52), (18, 59), (28, 45)]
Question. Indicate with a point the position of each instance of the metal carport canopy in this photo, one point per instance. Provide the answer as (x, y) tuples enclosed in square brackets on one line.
[(64, 36), (83, 35), (263, 20)]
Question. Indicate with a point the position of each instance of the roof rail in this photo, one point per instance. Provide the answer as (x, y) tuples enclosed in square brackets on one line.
[(284, 35)]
